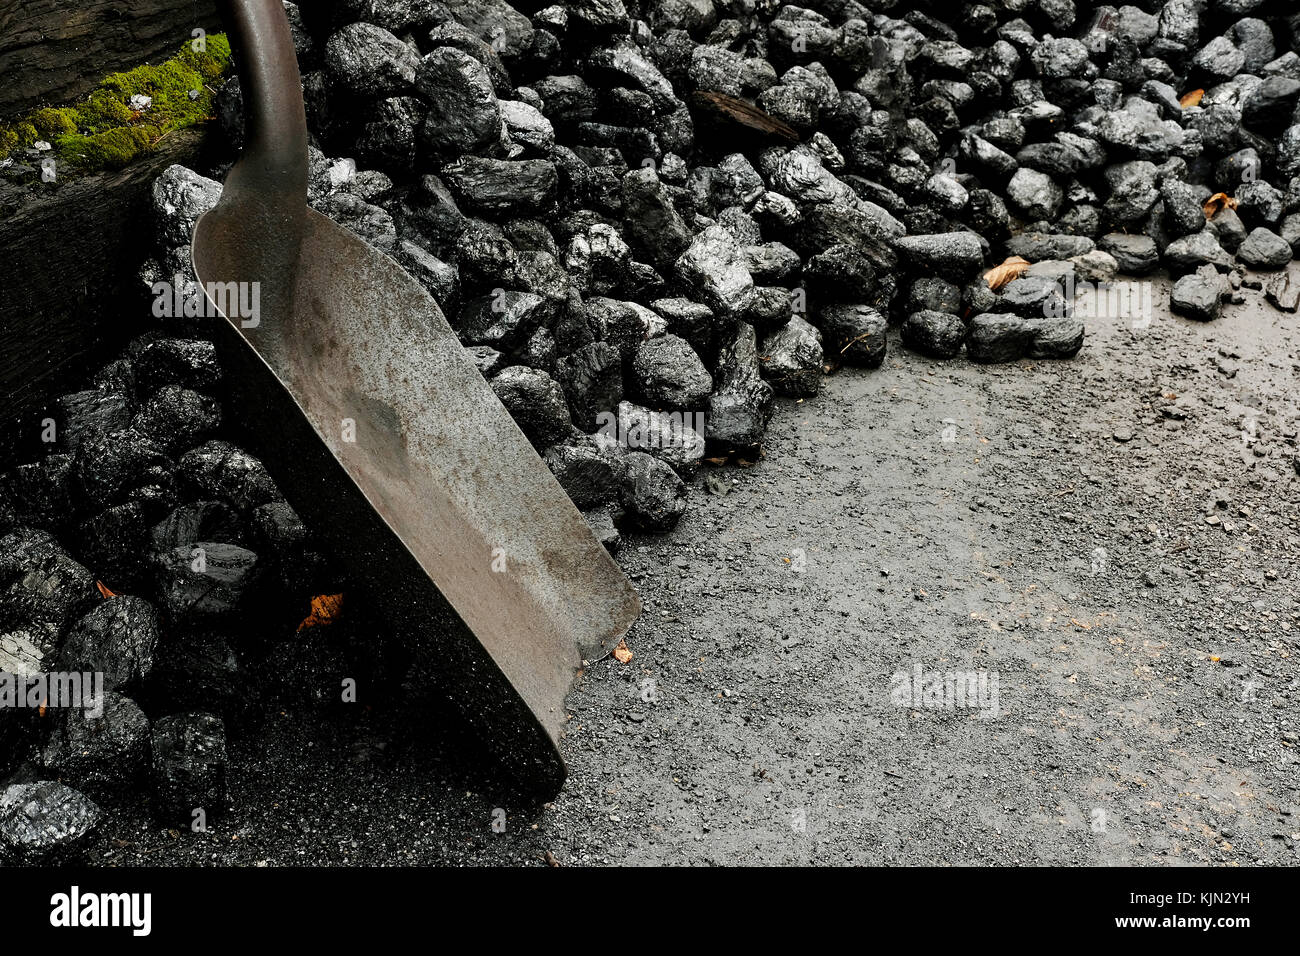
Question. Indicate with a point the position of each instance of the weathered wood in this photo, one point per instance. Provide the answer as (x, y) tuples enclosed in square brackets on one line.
[(53, 51), (731, 115), (69, 260)]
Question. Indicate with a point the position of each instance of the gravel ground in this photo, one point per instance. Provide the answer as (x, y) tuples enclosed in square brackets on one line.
[(1113, 539)]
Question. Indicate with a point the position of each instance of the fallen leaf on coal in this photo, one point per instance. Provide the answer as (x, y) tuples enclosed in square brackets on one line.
[(623, 653), (325, 608), (1010, 268), (1217, 203), (550, 858), (105, 591), (1191, 98)]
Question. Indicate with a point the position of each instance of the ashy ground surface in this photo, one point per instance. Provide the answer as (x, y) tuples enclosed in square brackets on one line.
[(1111, 543)]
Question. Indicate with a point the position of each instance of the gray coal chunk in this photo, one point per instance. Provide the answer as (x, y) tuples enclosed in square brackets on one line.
[(41, 492), (650, 220), (1265, 249), (398, 16), (218, 470), (180, 197), (597, 259), (1227, 227), (1060, 57), (998, 338), (189, 363), (1055, 338), (1191, 252), (367, 221), (206, 581), (197, 521), (281, 537), (440, 279), (178, 418), (1032, 296), (1133, 191), (672, 437), (566, 99), (486, 359), (102, 750), (40, 584), (739, 410), (592, 379), (122, 466), (504, 320), (535, 401), (189, 768), (651, 494), (601, 523), (115, 543), (94, 411), (367, 62), (390, 135), (503, 187), (599, 14), (627, 67), (1134, 255), (1259, 201), (589, 467), (1183, 206), (713, 266), (44, 822), (769, 309), (1040, 246), (463, 113), (1283, 290), (772, 262), (936, 334), (952, 255), (842, 272), (791, 358), (1219, 59), (433, 212), (1198, 295), (624, 325), (667, 372), (527, 126), (932, 294), (497, 24), (29, 650), (118, 638), (855, 334), (976, 297), (693, 321), (1035, 193)]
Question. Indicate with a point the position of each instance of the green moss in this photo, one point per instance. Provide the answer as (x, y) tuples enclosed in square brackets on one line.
[(104, 132)]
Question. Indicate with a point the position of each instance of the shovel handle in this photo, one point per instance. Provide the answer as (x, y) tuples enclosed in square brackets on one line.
[(275, 123)]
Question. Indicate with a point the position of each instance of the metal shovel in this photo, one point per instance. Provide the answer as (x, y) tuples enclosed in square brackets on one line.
[(386, 439)]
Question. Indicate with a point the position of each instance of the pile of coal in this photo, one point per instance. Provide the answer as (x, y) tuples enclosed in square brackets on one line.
[(692, 207), (150, 569)]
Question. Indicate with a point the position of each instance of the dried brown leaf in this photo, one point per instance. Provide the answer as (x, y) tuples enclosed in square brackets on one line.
[(1010, 269), (324, 609), (1191, 98), (1217, 203), (623, 653)]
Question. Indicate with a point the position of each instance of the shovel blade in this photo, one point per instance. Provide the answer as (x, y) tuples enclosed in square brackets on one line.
[(387, 440)]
